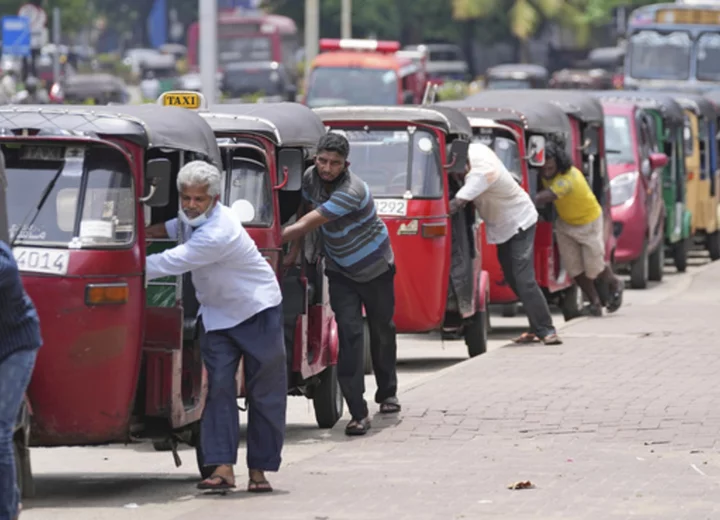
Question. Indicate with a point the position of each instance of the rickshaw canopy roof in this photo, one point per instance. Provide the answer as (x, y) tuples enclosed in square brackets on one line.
[(653, 100), (536, 116), (285, 124), (92, 83), (696, 103), (150, 126), (575, 103), (510, 69), (444, 117)]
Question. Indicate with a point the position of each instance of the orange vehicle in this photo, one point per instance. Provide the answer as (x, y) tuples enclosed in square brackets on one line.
[(365, 72)]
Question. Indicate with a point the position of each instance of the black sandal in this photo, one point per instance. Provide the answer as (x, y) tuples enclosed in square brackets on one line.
[(616, 299), (259, 486), (390, 405), (357, 427), (222, 485)]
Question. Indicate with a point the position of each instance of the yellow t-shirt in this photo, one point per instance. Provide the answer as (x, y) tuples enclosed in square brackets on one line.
[(576, 203)]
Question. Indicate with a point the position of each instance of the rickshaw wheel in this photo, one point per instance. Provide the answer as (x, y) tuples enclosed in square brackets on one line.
[(23, 470), (680, 250), (476, 334), (571, 302), (657, 262), (18, 467), (510, 310), (367, 354), (713, 245), (328, 399), (639, 270)]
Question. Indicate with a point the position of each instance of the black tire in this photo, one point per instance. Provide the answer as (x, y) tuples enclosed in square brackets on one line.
[(656, 263), (680, 252), (571, 302), (367, 354), (476, 332), (510, 310), (713, 245), (639, 270), (17, 450), (162, 444), (23, 470), (328, 399)]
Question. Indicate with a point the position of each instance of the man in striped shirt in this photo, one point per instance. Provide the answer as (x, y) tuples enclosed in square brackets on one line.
[(360, 267)]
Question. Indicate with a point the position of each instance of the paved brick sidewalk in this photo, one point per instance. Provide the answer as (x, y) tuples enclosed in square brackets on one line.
[(621, 421)]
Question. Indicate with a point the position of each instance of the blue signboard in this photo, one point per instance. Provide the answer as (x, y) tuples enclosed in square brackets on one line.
[(16, 35), (158, 24)]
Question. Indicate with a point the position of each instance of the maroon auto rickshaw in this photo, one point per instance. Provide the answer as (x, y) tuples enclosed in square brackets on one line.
[(405, 155), (266, 148), (516, 130)]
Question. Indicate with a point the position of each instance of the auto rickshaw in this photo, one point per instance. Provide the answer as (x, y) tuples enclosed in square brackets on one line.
[(96, 89), (406, 155), (582, 79), (638, 211), (669, 120), (516, 130), (121, 357), (701, 164), (516, 76), (265, 149)]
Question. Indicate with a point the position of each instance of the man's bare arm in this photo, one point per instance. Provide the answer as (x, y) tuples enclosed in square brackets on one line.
[(545, 197), (156, 231)]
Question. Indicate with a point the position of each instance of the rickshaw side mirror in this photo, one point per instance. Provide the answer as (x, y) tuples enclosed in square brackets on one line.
[(590, 146), (158, 175), (458, 156), (290, 169), (536, 151), (658, 160)]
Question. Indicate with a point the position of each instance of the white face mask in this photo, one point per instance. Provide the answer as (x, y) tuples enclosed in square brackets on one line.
[(197, 221)]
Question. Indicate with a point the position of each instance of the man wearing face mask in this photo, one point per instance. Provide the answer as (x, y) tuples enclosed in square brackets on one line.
[(240, 307), (360, 270)]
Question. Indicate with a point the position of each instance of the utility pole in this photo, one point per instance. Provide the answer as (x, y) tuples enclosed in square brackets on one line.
[(346, 19), (312, 32), (208, 48), (56, 41)]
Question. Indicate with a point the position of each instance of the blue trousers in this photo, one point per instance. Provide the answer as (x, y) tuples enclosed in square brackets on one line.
[(259, 342), (15, 373)]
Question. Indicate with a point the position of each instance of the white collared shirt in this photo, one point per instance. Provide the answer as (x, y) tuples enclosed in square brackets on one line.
[(232, 280), (501, 202)]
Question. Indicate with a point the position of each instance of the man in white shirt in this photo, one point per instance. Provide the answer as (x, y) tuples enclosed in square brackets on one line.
[(240, 307), (510, 218)]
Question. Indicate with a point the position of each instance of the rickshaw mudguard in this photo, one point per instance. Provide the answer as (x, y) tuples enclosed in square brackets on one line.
[(86, 374)]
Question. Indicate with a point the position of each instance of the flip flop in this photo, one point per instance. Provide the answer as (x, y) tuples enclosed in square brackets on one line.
[(223, 484), (616, 299), (552, 339), (526, 338), (259, 486), (390, 405), (357, 428)]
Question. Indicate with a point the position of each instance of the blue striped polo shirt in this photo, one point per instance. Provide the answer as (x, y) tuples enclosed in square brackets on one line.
[(355, 240)]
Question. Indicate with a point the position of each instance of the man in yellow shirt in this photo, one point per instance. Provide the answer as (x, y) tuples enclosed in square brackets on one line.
[(579, 228)]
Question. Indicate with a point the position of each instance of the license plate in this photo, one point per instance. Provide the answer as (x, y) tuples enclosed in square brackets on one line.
[(40, 260), (391, 207)]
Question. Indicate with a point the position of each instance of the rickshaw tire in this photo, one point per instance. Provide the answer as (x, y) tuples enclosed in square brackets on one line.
[(713, 245), (656, 263), (476, 334), (328, 399), (680, 252), (162, 444), (639, 270), (367, 352), (23, 470), (571, 302)]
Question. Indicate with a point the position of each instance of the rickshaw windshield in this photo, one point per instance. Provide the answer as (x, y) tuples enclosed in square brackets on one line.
[(618, 140), (249, 181), (381, 159), (91, 204), (507, 151)]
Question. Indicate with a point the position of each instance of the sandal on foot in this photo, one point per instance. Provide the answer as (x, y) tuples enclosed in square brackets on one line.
[(552, 339), (259, 486), (592, 310), (390, 405), (526, 338), (357, 427), (616, 299), (216, 483)]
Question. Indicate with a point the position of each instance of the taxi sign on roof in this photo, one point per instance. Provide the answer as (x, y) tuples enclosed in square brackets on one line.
[(182, 99)]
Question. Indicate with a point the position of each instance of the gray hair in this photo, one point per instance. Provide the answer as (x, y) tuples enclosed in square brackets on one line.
[(200, 173)]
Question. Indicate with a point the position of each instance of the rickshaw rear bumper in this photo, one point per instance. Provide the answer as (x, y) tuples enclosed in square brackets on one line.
[(630, 229)]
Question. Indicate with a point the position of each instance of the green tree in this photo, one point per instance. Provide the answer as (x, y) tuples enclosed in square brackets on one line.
[(74, 14)]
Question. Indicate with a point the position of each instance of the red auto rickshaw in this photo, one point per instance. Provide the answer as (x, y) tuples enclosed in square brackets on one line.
[(405, 155), (516, 130)]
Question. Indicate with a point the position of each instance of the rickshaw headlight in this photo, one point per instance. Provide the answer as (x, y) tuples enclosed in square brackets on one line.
[(622, 188), (107, 294)]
